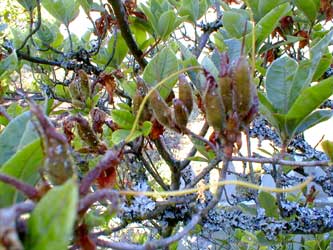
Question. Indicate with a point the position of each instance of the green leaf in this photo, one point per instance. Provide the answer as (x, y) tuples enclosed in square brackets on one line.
[(234, 21), (328, 148), (310, 8), (64, 11), (323, 65), (166, 24), (86, 5), (313, 119), (197, 158), (310, 99), (146, 128), (268, 202), (247, 209), (279, 82), (307, 68), (24, 166), (123, 118), (261, 7), (19, 132), (28, 4), (267, 24), (51, 223), (8, 65), (121, 134), (193, 9), (161, 66), (45, 33), (118, 48)]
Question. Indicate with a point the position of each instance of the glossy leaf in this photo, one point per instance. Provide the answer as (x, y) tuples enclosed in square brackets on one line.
[(64, 11), (24, 165), (123, 118), (310, 8), (279, 82), (18, 133), (268, 202), (51, 223), (161, 66)]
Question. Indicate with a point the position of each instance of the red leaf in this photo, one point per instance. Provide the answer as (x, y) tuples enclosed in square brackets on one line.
[(108, 178), (156, 130)]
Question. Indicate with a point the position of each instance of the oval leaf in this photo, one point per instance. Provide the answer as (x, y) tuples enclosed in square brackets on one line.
[(51, 223), (64, 11), (24, 165), (19, 132), (161, 66)]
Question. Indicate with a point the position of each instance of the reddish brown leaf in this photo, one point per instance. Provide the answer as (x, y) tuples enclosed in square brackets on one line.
[(306, 37), (156, 130), (109, 82), (108, 178), (82, 238), (98, 119), (68, 126)]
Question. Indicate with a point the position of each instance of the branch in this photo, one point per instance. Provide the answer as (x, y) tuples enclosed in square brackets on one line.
[(68, 65), (98, 195), (26, 189), (121, 15), (110, 159), (39, 22), (307, 221), (4, 113), (284, 162)]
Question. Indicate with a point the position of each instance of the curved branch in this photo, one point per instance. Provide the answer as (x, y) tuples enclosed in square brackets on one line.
[(121, 15), (39, 22)]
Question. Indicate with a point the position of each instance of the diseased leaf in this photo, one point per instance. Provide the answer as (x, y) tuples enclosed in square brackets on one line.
[(161, 66), (51, 223), (268, 202), (23, 165)]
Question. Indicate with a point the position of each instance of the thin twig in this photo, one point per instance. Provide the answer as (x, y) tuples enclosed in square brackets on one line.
[(26, 189)]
